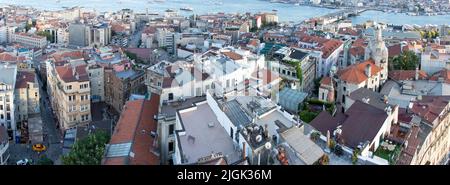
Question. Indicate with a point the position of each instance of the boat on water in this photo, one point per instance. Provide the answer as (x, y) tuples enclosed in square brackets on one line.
[(187, 9)]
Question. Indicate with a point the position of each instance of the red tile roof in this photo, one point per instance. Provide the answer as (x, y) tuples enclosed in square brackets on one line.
[(326, 80), (23, 77), (135, 125), (233, 55), (357, 51), (329, 47), (430, 107), (408, 153), (7, 57), (395, 50), (63, 56), (407, 75), (444, 74), (359, 42), (356, 73), (348, 31), (253, 42), (70, 74)]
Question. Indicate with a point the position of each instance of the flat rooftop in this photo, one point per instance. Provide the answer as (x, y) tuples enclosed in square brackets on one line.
[(170, 109), (204, 136)]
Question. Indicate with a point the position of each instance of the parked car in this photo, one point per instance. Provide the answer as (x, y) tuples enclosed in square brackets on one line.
[(23, 162)]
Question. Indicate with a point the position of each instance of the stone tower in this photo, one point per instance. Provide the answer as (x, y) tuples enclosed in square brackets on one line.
[(378, 51)]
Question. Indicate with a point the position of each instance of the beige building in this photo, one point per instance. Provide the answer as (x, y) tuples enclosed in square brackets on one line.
[(26, 95), (365, 74), (326, 89), (70, 92), (34, 41), (434, 145), (268, 18)]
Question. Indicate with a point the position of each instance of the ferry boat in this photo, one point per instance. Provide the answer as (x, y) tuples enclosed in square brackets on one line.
[(187, 9)]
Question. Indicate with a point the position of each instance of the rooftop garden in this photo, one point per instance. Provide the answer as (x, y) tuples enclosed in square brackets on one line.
[(390, 155), (311, 108)]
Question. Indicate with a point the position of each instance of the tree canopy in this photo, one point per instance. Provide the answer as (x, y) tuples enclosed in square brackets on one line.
[(408, 60), (87, 151), (48, 35), (44, 160)]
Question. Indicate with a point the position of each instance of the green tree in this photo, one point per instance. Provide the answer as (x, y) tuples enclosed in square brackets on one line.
[(430, 34), (44, 160), (355, 156), (131, 55), (88, 151), (48, 35), (28, 27), (408, 60)]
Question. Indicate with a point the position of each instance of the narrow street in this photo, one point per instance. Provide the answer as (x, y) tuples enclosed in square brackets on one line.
[(52, 136)]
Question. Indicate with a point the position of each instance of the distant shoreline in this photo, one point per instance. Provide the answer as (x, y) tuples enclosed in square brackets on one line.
[(412, 14)]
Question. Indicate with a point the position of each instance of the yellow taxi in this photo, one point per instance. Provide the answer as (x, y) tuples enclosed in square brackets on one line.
[(39, 147)]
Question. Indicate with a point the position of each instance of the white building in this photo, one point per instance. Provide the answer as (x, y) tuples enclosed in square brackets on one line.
[(62, 36), (4, 146), (6, 33), (434, 60), (378, 51), (7, 107), (96, 79), (34, 41)]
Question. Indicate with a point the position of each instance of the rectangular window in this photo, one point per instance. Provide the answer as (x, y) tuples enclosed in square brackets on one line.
[(69, 87), (171, 129), (1, 107), (171, 144)]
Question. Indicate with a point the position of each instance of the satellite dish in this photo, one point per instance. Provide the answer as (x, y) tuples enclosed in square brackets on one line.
[(268, 145), (258, 138)]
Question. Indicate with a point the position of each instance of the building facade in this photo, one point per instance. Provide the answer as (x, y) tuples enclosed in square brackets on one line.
[(27, 95), (120, 85), (69, 91), (28, 40), (7, 98)]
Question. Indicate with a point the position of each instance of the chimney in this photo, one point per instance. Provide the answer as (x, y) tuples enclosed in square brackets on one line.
[(368, 70), (416, 77), (243, 151)]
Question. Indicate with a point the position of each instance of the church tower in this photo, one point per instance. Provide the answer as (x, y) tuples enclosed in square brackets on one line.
[(378, 51)]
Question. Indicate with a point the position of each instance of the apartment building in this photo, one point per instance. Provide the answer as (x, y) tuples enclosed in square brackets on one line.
[(33, 41), (433, 141), (435, 59), (285, 64), (4, 146), (26, 95), (7, 98), (70, 93), (119, 85)]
